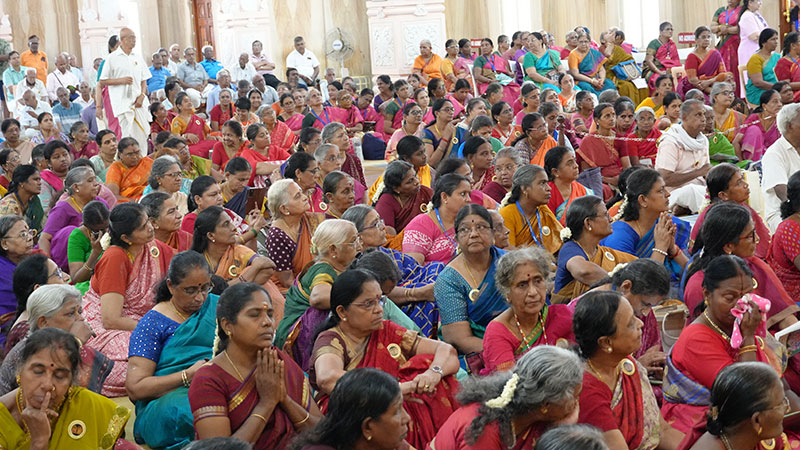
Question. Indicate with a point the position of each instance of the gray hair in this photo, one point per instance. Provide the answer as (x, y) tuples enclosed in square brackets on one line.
[(425, 41), (717, 89), (205, 47), (576, 437), (695, 94), (641, 110), (545, 92), (547, 375), (523, 177), (47, 300), (357, 214), (330, 233), (322, 151), (508, 264), (264, 108), (786, 115), (160, 167), (223, 72), (688, 107), (329, 130), (278, 195), (511, 153), (480, 121), (76, 176)]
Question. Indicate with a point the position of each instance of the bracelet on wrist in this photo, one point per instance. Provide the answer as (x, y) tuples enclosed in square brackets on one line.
[(662, 252)]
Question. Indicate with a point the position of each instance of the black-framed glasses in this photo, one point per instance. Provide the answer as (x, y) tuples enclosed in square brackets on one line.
[(480, 228)]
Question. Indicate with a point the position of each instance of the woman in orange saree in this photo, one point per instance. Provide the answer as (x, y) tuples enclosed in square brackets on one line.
[(128, 176), (357, 336)]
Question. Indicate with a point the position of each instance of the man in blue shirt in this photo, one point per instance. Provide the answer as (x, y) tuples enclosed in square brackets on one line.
[(159, 74), (211, 65), (65, 112)]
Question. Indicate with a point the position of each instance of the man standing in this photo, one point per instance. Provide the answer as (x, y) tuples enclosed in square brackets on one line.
[(13, 76), (61, 77), (304, 61), (66, 112), (158, 74), (683, 158), (780, 161), (223, 82), (211, 65), (243, 70), (126, 74), (193, 78), (174, 59), (263, 64), (34, 58)]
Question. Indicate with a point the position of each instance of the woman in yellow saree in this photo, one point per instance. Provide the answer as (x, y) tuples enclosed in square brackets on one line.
[(616, 56), (82, 419)]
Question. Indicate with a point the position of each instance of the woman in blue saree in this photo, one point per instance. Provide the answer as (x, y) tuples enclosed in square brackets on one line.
[(465, 290), (646, 228), (234, 189), (586, 66), (414, 292), (542, 65), (170, 343)]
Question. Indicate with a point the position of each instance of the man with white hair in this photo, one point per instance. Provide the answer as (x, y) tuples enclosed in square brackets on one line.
[(61, 77), (174, 59), (211, 65), (223, 82), (28, 111), (683, 158), (31, 83), (193, 78), (243, 70), (126, 74), (779, 162)]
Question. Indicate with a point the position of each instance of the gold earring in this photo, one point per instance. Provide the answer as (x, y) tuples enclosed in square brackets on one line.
[(758, 433), (544, 410), (369, 438), (18, 380), (609, 350)]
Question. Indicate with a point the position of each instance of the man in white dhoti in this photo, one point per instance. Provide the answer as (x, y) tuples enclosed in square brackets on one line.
[(125, 73)]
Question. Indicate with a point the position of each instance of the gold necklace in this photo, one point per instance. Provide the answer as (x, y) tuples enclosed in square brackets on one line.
[(725, 442), (75, 202), (19, 409), (176, 311), (524, 336), (596, 372), (239, 375), (208, 260), (587, 253), (716, 327), (474, 293)]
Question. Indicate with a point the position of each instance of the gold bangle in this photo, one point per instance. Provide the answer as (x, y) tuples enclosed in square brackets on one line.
[(260, 417), (748, 348), (185, 379), (308, 414)]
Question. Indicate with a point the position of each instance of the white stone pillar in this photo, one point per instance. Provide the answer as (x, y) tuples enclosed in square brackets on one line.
[(5, 26), (98, 20), (237, 23), (396, 28)]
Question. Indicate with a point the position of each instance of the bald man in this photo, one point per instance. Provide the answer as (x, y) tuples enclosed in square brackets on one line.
[(61, 77), (126, 74)]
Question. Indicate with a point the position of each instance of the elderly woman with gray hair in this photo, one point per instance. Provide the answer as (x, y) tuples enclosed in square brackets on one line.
[(82, 187), (528, 322), (336, 133), (513, 409), (166, 175), (58, 306)]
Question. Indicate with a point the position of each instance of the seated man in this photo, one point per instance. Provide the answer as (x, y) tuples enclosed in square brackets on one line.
[(30, 82), (192, 77), (61, 77), (85, 94), (223, 82), (159, 74), (305, 61), (65, 112), (211, 65), (29, 113), (779, 162), (683, 158), (243, 70), (268, 94)]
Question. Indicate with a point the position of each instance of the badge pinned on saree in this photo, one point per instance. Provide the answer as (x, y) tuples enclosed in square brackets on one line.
[(197, 122), (154, 252), (394, 350), (474, 294), (323, 206), (627, 367), (562, 343), (546, 230), (455, 140), (233, 271), (76, 429), (609, 256), (423, 208)]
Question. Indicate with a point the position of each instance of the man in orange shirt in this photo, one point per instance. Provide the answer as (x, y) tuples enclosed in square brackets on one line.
[(34, 58)]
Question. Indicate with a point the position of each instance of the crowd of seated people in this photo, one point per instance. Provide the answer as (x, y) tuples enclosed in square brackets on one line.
[(232, 277)]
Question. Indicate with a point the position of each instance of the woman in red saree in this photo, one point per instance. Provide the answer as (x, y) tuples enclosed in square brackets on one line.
[(402, 197), (191, 127), (541, 391), (238, 392), (124, 280), (231, 145), (506, 162), (725, 24), (662, 56), (263, 157), (357, 336), (607, 153), (223, 111), (353, 119), (704, 66), (641, 144), (163, 212), (616, 396), (562, 170), (280, 135), (788, 69)]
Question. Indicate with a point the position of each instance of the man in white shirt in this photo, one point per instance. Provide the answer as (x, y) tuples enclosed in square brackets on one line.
[(263, 64), (243, 70), (126, 74), (174, 59), (61, 77), (31, 83), (29, 112), (779, 162), (304, 61), (85, 98), (73, 67)]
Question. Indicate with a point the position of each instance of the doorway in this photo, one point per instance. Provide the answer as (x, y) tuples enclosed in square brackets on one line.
[(203, 24)]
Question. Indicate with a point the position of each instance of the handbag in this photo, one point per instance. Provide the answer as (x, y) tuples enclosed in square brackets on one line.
[(627, 70)]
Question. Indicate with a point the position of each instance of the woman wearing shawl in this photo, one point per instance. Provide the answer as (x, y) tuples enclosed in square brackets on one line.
[(646, 229), (761, 67), (58, 159), (128, 176), (526, 214), (641, 145), (704, 66), (521, 276), (607, 153), (355, 336), (787, 68), (122, 288), (725, 24), (465, 291), (542, 65), (490, 67), (191, 127), (691, 369), (560, 165), (461, 95), (761, 128), (237, 393), (751, 24), (617, 397), (662, 56), (582, 262), (169, 344), (586, 66)]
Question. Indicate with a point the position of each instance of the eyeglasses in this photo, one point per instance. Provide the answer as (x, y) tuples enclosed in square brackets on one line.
[(480, 228), (335, 158), (728, 93), (448, 109), (415, 112), (315, 170), (59, 273), (379, 224), (194, 290), (370, 304), (355, 242), (173, 174), (752, 236), (27, 234)]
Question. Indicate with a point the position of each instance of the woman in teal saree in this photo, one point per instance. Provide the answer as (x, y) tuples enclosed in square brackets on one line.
[(170, 343), (586, 65)]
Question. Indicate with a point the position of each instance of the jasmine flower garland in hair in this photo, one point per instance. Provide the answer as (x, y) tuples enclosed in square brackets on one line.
[(566, 234), (507, 395), (616, 269)]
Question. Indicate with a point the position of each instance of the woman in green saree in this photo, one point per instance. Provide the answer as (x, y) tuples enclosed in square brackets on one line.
[(22, 197)]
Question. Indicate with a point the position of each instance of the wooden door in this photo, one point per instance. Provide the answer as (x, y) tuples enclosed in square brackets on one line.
[(203, 24)]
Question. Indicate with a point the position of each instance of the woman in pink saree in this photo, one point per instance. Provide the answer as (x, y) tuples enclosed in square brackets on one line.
[(662, 56), (289, 115), (761, 129), (725, 25), (704, 66), (491, 67)]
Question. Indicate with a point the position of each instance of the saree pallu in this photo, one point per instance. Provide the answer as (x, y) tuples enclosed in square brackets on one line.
[(52, 179), (86, 421), (711, 67), (763, 245), (481, 182), (602, 152), (180, 241), (626, 239), (605, 257), (132, 181), (502, 349), (645, 149), (166, 422), (767, 73), (353, 167), (730, 126), (403, 213), (149, 268), (274, 154), (87, 151), (198, 127), (458, 107), (728, 46), (234, 261), (494, 190), (719, 144), (544, 66), (282, 136), (242, 397), (632, 403), (788, 70), (665, 57), (452, 435), (557, 203), (756, 140), (784, 248), (626, 88), (424, 313), (390, 349), (493, 66), (589, 66), (295, 123), (238, 203), (520, 232)]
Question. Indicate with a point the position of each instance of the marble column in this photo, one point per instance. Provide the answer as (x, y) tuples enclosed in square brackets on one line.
[(5, 25), (396, 28)]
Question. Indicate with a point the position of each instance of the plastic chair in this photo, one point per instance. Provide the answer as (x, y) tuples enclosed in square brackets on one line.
[(677, 73)]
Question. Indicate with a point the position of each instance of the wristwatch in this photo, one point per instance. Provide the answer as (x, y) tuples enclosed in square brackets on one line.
[(436, 369)]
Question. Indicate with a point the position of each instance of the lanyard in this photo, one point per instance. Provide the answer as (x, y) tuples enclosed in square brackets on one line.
[(728, 15), (441, 224), (530, 227), (325, 110), (491, 63)]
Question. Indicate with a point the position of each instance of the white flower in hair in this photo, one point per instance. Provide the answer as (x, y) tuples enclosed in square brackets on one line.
[(616, 269), (378, 192), (507, 395), (566, 234), (105, 241)]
